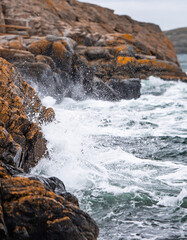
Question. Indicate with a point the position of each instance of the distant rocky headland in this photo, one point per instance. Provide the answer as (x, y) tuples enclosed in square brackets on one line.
[(179, 39), (69, 49)]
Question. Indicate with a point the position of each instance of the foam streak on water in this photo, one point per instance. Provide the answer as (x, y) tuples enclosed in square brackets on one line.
[(126, 161)]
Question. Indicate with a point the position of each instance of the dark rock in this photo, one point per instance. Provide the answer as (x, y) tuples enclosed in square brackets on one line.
[(55, 185), (21, 142), (82, 75), (28, 210), (102, 90), (126, 89), (47, 60)]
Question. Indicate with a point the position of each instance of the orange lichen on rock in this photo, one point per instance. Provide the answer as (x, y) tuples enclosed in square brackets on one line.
[(119, 39), (51, 5), (44, 212), (58, 50), (126, 37), (157, 64), (19, 104), (40, 47), (4, 173), (144, 61), (125, 60), (58, 220), (120, 48), (16, 44), (152, 63), (47, 115)]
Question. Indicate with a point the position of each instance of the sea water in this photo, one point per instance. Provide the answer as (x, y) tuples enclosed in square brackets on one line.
[(126, 161)]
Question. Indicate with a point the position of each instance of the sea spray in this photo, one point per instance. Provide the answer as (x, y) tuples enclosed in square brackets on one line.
[(126, 161)]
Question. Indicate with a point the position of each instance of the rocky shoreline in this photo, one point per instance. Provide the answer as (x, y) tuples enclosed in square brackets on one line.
[(80, 50), (68, 49), (31, 207)]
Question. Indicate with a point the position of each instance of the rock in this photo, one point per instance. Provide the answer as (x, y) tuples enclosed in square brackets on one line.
[(65, 53), (47, 60), (14, 55), (33, 69), (70, 43), (16, 44), (2, 21), (30, 211), (102, 90), (22, 143), (3, 229), (10, 151), (61, 56), (146, 67), (179, 39), (57, 186), (95, 53), (82, 75), (126, 89), (40, 47)]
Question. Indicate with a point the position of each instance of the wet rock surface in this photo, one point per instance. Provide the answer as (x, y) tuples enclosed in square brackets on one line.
[(67, 49), (21, 141), (63, 54), (31, 207), (30, 210)]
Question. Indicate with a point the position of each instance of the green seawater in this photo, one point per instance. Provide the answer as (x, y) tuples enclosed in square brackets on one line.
[(126, 161)]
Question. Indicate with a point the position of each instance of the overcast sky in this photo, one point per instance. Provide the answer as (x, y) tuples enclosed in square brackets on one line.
[(169, 14)]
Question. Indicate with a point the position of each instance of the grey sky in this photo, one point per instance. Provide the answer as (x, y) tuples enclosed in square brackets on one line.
[(169, 14)]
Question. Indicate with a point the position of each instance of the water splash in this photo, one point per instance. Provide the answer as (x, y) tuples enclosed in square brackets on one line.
[(126, 161)]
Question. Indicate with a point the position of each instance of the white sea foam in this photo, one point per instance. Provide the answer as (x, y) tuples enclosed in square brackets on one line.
[(173, 201), (76, 157), (84, 156), (48, 101)]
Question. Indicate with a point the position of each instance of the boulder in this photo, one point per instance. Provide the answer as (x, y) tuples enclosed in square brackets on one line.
[(102, 90), (40, 47), (29, 210), (16, 44), (126, 89)]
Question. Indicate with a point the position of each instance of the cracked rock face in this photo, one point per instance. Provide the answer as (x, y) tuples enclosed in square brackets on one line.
[(21, 141)]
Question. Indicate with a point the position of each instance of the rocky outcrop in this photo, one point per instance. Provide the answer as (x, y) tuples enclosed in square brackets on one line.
[(68, 49), (21, 141), (81, 50), (31, 207), (179, 39), (31, 210)]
